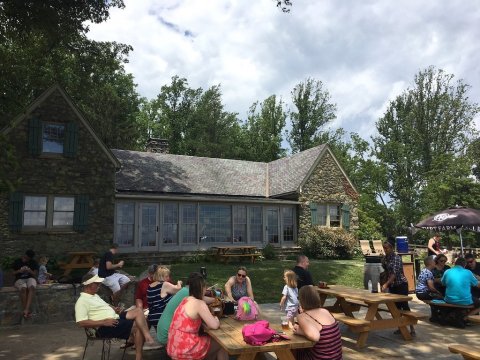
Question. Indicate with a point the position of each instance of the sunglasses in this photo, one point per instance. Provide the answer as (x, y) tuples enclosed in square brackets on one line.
[(241, 275)]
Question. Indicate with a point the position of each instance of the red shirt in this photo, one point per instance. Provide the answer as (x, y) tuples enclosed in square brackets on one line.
[(141, 292)]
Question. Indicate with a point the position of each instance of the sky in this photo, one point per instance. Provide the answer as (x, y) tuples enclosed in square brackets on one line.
[(364, 52)]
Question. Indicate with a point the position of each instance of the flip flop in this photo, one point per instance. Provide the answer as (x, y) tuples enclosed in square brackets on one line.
[(127, 345)]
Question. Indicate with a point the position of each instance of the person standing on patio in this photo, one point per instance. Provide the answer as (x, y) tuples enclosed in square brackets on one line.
[(396, 282), (115, 281), (301, 269), (25, 270), (433, 245)]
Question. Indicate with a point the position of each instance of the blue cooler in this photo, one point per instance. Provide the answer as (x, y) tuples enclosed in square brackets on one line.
[(402, 244)]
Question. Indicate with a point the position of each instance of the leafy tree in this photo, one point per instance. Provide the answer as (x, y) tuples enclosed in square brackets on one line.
[(422, 135), (263, 130), (313, 111)]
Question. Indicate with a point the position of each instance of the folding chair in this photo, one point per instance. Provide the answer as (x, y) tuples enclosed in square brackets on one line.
[(365, 247), (378, 247), (91, 334)]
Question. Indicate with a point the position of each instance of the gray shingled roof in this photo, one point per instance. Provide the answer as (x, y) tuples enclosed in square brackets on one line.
[(167, 173), (180, 174), (287, 174)]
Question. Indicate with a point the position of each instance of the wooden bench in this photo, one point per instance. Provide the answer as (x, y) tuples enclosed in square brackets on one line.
[(468, 352), (415, 314), (226, 257), (448, 314), (356, 325)]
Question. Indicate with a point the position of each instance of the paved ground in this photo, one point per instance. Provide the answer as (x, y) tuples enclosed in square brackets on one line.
[(65, 341)]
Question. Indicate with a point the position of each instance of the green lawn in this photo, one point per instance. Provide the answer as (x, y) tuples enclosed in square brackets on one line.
[(267, 275)]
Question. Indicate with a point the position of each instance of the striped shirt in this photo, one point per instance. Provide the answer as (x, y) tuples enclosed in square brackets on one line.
[(156, 304), (329, 346)]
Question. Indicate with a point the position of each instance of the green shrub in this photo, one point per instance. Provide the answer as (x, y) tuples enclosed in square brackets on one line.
[(328, 243), (268, 252)]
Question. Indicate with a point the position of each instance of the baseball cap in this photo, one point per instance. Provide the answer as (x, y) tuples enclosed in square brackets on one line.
[(94, 279)]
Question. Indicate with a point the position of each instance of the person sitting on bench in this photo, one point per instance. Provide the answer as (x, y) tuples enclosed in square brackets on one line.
[(425, 289), (458, 281)]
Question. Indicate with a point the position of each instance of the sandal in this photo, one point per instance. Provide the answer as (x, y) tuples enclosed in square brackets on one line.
[(127, 345), (27, 315)]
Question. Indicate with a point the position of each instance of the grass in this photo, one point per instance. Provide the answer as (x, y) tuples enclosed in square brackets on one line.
[(267, 275)]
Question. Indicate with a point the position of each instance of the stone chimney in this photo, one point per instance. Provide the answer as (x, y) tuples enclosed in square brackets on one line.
[(157, 146)]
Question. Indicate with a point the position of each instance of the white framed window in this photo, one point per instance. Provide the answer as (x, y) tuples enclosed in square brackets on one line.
[(170, 223), (255, 223), (42, 211), (239, 223), (288, 223), (189, 223), (216, 223), (125, 223), (326, 214)]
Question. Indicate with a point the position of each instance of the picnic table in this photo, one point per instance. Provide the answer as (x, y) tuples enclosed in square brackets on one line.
[(224, 253), (350, 299), (78, 260), (230, 338)]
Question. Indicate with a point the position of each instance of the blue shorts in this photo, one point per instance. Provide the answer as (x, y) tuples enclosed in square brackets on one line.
[(120, 331)]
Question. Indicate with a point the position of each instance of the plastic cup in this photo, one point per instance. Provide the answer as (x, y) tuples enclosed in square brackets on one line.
[(284, 322)]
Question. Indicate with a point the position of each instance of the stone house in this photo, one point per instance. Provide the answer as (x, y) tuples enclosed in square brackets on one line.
[(75, 194)]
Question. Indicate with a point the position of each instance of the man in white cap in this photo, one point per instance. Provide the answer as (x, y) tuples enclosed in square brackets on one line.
[(91, 311)]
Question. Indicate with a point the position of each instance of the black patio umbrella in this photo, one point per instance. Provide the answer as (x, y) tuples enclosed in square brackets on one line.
[(454, 218)]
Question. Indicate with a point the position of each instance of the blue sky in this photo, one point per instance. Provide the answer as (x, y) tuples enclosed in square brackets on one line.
[(364, 52)]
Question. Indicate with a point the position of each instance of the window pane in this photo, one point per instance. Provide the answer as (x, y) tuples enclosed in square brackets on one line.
[(189, 224), (125, 223), (148, 229), (256, 227), (170, 223), (34, 211), (334, 215), (239, 223), (63, 208), (322, 214), (53, 137), (287, 214), (216, 223)]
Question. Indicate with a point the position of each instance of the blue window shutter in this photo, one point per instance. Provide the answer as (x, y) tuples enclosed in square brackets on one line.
[(34, 136), (71, 140), (313, 213), (15, 214), (80, 215), (346, 217)]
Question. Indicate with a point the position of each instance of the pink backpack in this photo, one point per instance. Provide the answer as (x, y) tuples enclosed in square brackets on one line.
[(246, 309), (258, 333)]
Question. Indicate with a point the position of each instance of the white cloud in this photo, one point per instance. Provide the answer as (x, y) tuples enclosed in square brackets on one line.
[(365, 53)]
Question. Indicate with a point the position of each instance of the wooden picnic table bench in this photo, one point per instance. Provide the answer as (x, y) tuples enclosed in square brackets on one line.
[(230, 338), (468, 352), (446, 313), (474, 318), (225, 253), (347, 299), (78, 260)]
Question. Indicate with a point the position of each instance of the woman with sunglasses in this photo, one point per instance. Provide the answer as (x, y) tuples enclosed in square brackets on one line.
[(438, 270), (239, 285)]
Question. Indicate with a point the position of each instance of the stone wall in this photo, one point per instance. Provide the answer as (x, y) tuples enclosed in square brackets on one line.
[(91, 173), (327, 184), (51, 303)]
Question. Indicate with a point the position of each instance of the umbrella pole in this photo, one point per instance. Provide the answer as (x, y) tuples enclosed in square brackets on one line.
[(461, 241)]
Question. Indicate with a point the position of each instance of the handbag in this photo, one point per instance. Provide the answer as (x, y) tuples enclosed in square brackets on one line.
[(216, 307)]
